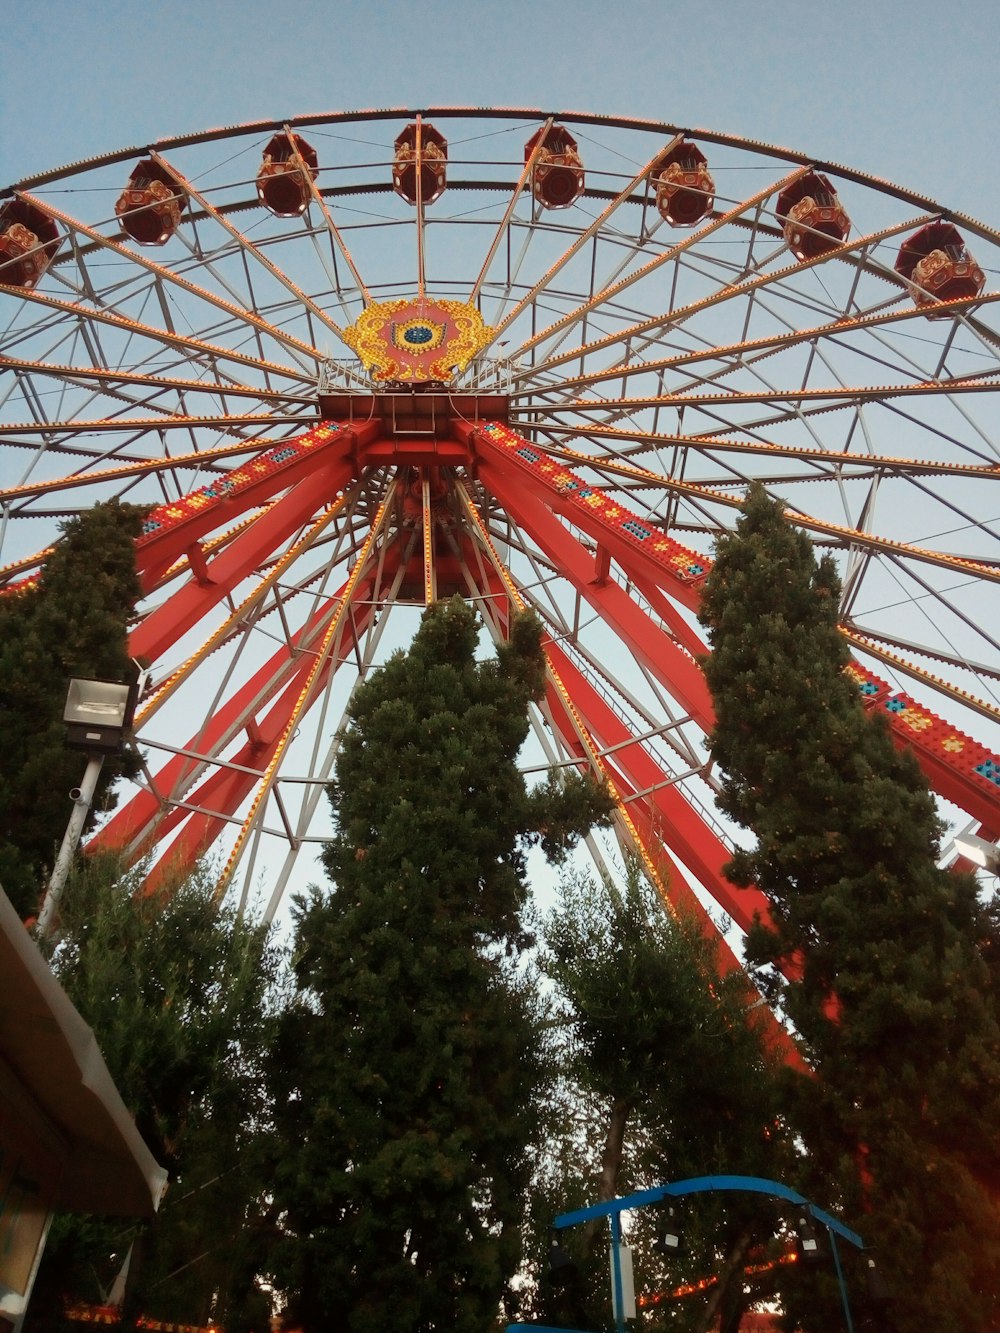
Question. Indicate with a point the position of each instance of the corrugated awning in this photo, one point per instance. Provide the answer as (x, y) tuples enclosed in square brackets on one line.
[(55, 1057)]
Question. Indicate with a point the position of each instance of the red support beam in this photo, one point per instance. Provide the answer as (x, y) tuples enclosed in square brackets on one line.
[(537, 490), (148, 815), (652, 646), (163, 627), (170, 530), (956, 765), (224, 790), (643, 815), (679, 825), (412, 452), (498, 449)]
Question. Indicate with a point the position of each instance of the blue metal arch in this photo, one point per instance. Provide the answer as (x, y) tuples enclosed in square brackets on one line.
[(707, 1185)]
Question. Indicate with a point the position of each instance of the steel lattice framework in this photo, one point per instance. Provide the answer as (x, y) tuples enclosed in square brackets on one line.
[(635, 367)]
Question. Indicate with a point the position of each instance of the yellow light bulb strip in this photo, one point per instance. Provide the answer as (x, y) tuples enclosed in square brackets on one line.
[(430, 579), (246, 244), (332, 227), (589, 232), (229, 485), (874, 649), (680, 560), (516, 193), (172, 682), (920, 727), (837, 394), (142, 466), (673, 317), (763, 347), (615, 289), (183, 342), (210, 545), (725, 444), (167, 275)]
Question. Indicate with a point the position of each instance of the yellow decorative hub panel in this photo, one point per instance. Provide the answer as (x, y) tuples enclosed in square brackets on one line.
[(417, 342)]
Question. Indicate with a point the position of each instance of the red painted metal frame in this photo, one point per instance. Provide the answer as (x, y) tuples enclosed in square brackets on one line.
[(212, 580), (171, 530), (955, 764), (643, 810), (152, 814), (553, 507), (224, 791), (650, 644), (633, 769)]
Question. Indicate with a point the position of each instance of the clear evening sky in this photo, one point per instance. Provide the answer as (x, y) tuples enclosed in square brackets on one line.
[(908, 91)]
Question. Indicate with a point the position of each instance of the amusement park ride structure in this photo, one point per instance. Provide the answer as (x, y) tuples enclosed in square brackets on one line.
[(369, 359)]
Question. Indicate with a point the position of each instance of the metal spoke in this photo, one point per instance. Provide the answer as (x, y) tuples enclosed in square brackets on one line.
[(579, 241), (653, 370), (302, 351), (247, 246)]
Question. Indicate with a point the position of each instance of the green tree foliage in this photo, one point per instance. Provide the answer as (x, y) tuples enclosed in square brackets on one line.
[(892, 991), (671, 1055), (179, 994), (405, 1076), (72, 622), (656, 1028)]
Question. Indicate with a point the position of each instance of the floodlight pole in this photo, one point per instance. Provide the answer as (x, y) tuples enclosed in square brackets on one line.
[(97, 715), (83, 797), (617, 1287), (841, 1283)]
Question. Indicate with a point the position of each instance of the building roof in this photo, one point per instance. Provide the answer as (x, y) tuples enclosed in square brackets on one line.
[(55, 1057)]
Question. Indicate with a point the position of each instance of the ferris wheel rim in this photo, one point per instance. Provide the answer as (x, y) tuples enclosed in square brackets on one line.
[(548, 403), (530, 114)]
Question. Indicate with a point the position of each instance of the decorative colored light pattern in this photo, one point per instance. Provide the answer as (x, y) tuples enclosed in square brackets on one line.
[(417, 341), (322, 652), (226, 488), (81, 1313), (683, 563), (650, 1299), (923, 730)]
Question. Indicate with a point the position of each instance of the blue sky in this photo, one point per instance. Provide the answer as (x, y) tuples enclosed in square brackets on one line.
[(905, 91)]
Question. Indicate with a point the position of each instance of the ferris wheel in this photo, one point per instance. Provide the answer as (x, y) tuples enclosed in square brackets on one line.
[(357, 362)]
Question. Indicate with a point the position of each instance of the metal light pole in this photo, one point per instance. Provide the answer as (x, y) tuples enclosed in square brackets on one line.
[(622, 1281), (97, 715), (82, 798)]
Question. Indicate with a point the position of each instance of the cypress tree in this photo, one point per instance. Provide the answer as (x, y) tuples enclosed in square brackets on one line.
[(405, 1075), (892, 991), (72, 622)]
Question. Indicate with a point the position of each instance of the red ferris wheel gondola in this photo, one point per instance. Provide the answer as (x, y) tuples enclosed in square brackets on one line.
[(29, 240), (282, 185), (685, 190), (938, 267), (557, 180), (813, 218), (150, 205), (420, 163)]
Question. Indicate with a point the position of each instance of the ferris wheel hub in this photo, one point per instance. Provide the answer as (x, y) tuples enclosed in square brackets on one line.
[(415, 422), (417, 342)]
